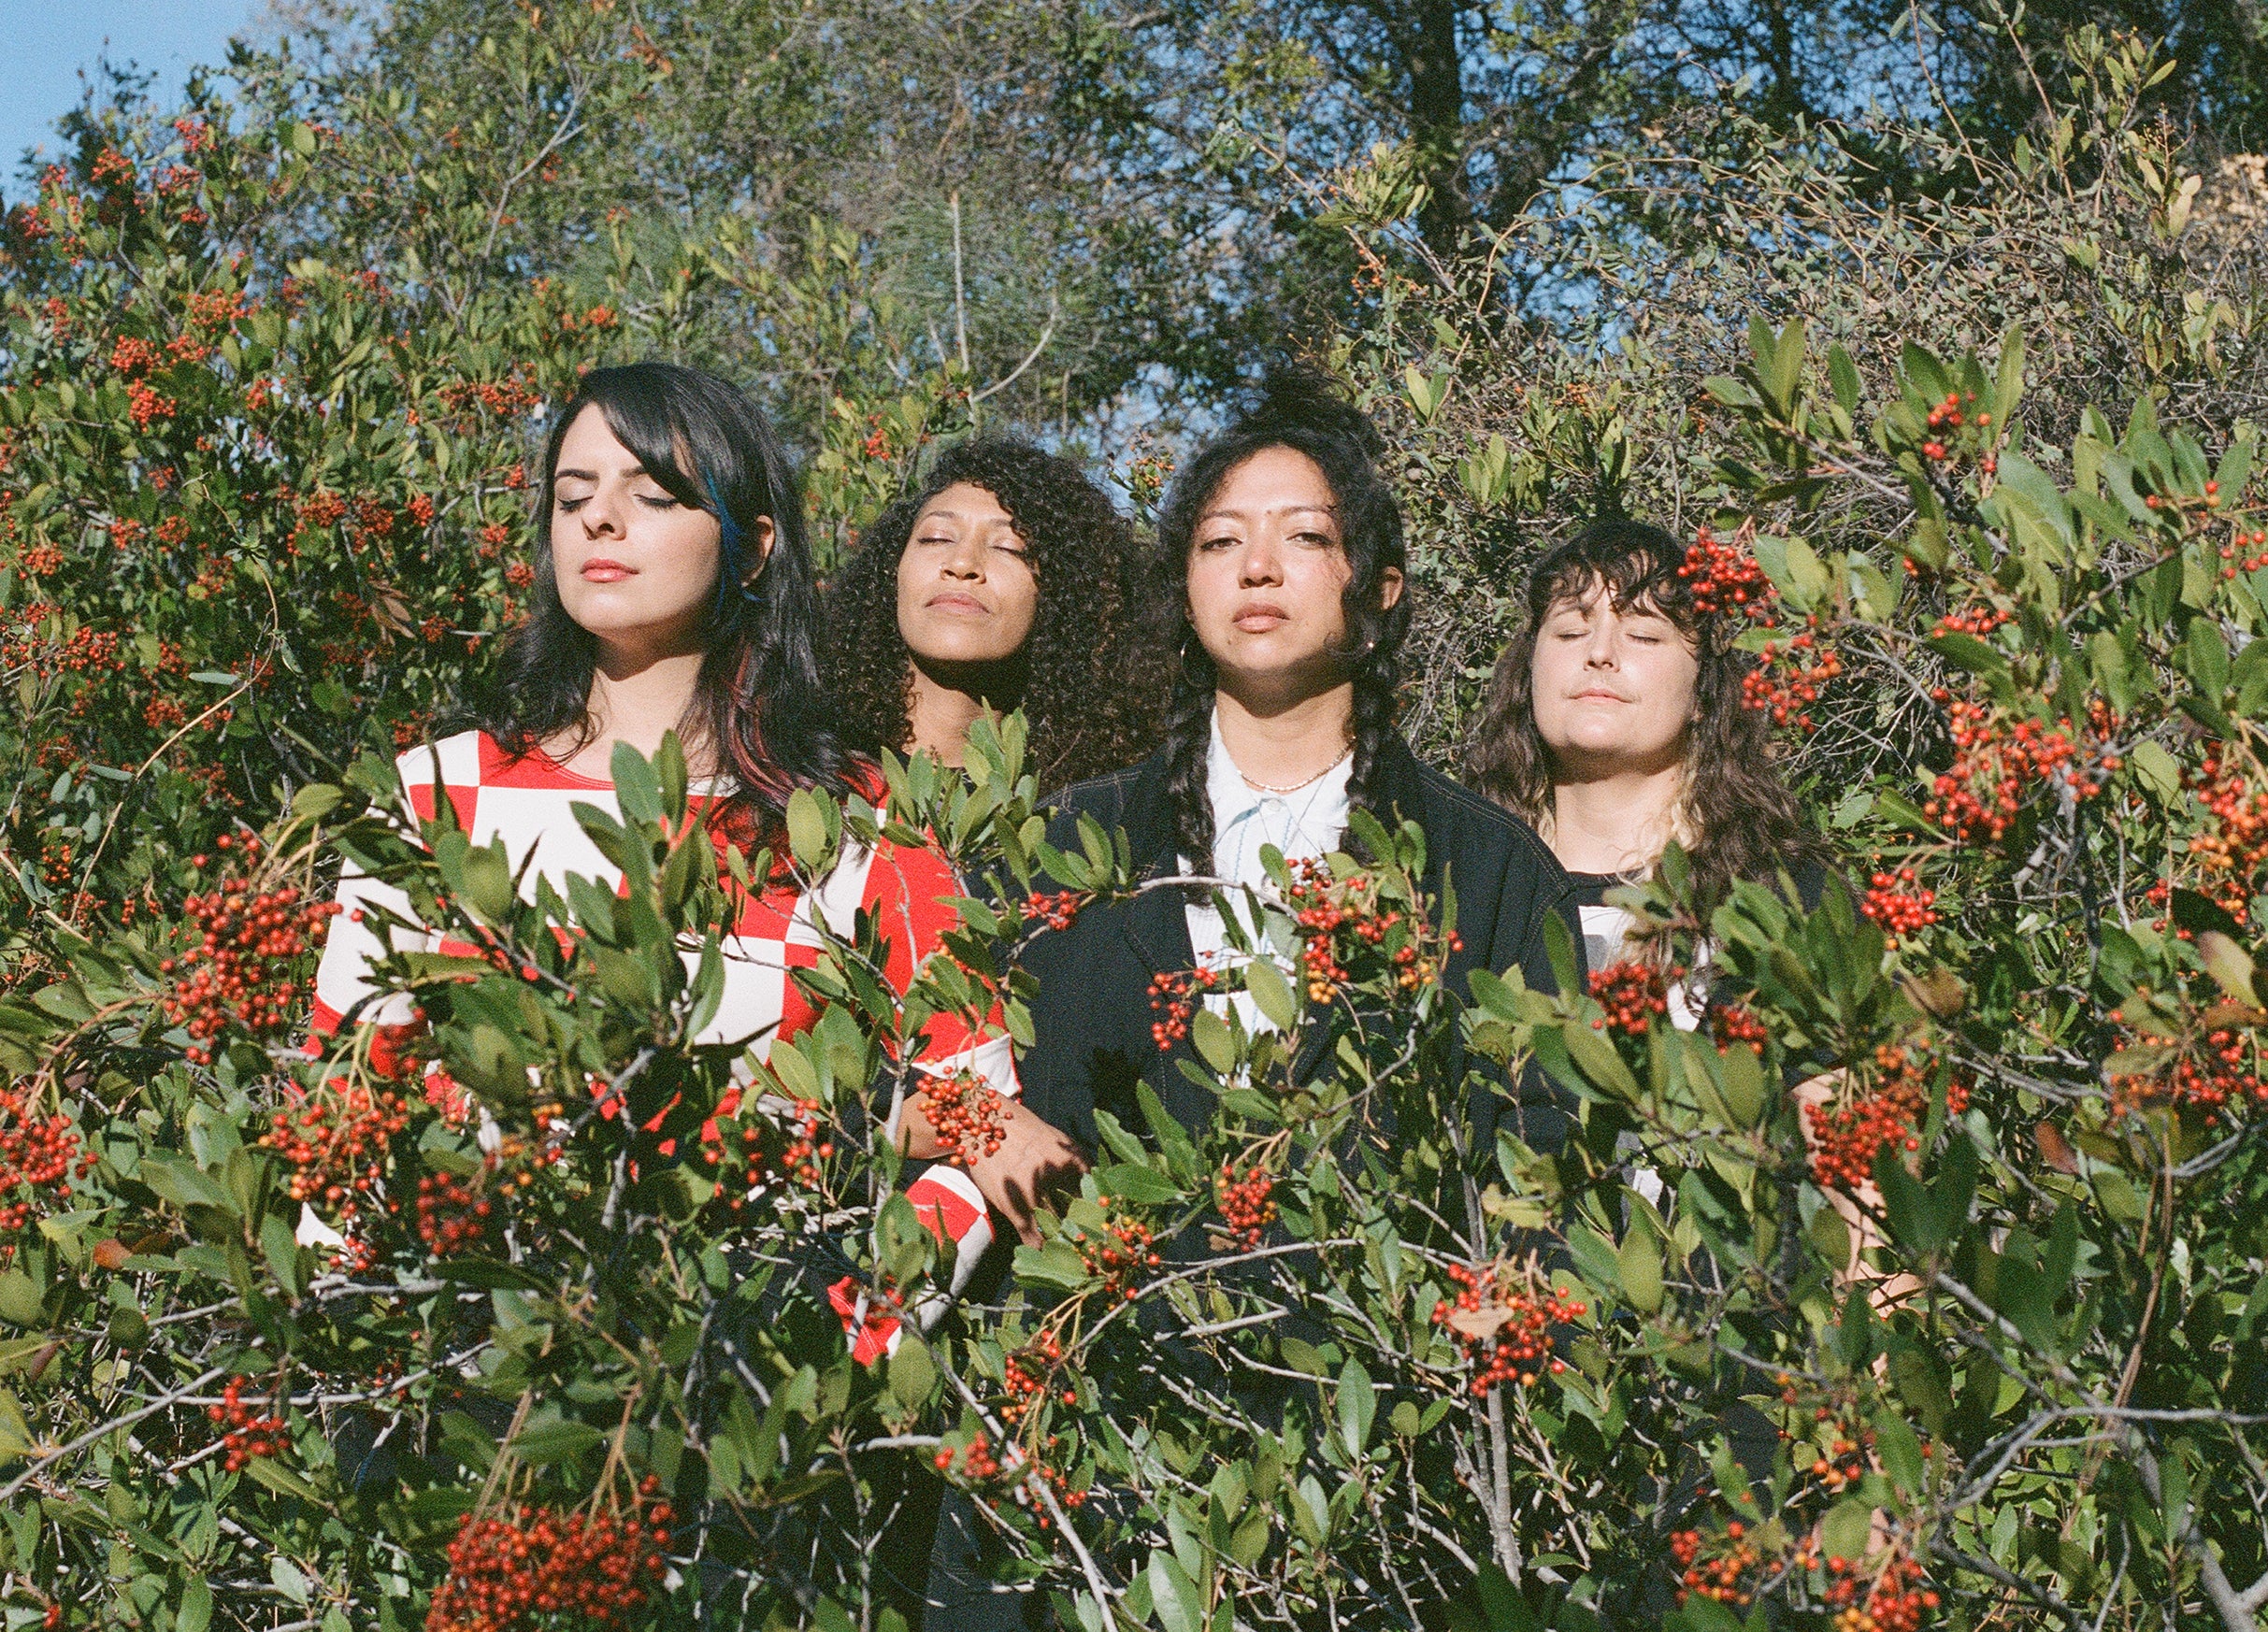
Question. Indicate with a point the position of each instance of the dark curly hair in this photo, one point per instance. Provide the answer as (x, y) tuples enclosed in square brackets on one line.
[(1740, 820), (756, 709), (1093, 682), (1297, 408)]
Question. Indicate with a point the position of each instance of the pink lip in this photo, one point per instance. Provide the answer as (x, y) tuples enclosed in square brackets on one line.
[(1604, 697), (602, 570), (1260, 620), (953, 601)]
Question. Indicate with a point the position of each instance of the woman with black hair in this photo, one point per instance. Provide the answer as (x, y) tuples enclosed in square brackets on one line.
[(1281, 546), (1003, 583), (1614, 723), (673, 592)]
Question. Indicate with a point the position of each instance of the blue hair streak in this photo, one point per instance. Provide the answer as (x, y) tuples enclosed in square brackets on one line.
[(731, 564)]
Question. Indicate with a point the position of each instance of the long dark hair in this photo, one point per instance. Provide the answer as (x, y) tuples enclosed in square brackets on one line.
[(756, 709), (1297, 408), (1740, 819), (1092, 686)]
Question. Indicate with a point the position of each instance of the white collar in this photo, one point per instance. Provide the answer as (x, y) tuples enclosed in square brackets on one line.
[(1234, 798)]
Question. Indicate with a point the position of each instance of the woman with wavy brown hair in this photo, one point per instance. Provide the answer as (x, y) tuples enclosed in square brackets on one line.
[(1614, 723), (1004, 582)]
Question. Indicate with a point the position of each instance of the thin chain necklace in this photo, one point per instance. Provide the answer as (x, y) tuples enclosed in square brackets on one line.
[(1306, 782)]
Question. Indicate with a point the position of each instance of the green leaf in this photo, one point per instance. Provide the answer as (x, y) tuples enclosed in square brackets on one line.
[(282, 1253), (1144, 1185), (21, 1302), (1209, 1034), (1271, 993), (1843, 1532), (912, 1371), (283, 1482), (806, 828), (1358, 1406), (1968, 652), (1843, 374), (195, 1612), (2156, 768), (312, 803), (1900, 1453), (1638, 1270), (1594, 1259), (555, 1441), (1179, 1606)]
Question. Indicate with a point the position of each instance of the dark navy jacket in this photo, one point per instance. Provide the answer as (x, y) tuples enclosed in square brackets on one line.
[(1092, 1014)]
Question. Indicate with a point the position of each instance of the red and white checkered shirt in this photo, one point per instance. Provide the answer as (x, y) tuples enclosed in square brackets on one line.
[(528, 803)]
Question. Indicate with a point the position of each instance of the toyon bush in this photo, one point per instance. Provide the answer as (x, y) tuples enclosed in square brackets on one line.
[(539, 1319)]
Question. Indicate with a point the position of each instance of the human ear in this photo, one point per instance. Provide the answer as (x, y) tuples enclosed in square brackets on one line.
[(766, 536), (1389, 588)]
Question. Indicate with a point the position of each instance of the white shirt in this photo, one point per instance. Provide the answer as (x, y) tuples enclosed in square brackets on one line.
[(1305, 825)]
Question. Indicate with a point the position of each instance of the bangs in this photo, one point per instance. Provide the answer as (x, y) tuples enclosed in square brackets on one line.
[(1636, 564)]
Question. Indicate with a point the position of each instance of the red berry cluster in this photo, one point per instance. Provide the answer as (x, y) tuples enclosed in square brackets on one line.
[(1730, 1575), (1997, 763), (1117, 1254), (1058, 910), (1633, 995), (1246, 1203), (1883, 1111), (1176, 998), (1835, 1444), (40, 1156), (1892, 1599), (1947, 417), (1029, 1377), (1979, 620), (1736, 1024), (451, 1214), (516, 1574), (970, 1117), (749, 1151), (2231, 853), (973, 1462), (1788, 678), (250, 1434), (2242, 550), (1896, 901), (1350, 939), (1724, 577), (337, 1141), (2219, 1072), (1503, 1316), (242, 972)]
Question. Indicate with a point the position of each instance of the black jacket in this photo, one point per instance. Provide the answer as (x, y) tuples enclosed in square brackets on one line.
[(1091, 1016)]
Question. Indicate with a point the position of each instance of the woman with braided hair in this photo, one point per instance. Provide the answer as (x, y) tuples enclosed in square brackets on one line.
[(1281, 547)]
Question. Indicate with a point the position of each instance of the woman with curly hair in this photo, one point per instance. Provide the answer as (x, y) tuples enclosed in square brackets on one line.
[(1615, 725), (1003, 583)]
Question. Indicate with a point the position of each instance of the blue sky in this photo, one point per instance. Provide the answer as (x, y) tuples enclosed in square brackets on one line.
[(46, 42)]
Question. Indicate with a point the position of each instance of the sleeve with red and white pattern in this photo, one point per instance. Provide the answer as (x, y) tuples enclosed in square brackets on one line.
[(909, 891), (342, 978)]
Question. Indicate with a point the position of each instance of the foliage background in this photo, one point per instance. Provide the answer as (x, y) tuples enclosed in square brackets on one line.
[(275, 365)]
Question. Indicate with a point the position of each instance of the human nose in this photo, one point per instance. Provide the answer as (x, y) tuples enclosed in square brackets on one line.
[(601, 515), (1260, 563), (1603, 649), (965, 560)]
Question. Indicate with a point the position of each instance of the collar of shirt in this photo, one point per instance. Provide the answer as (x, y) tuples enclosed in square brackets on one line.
[(1307, 822)]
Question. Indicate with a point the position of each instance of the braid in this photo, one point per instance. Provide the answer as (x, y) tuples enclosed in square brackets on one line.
[(1189, 753), (1377, 684)]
